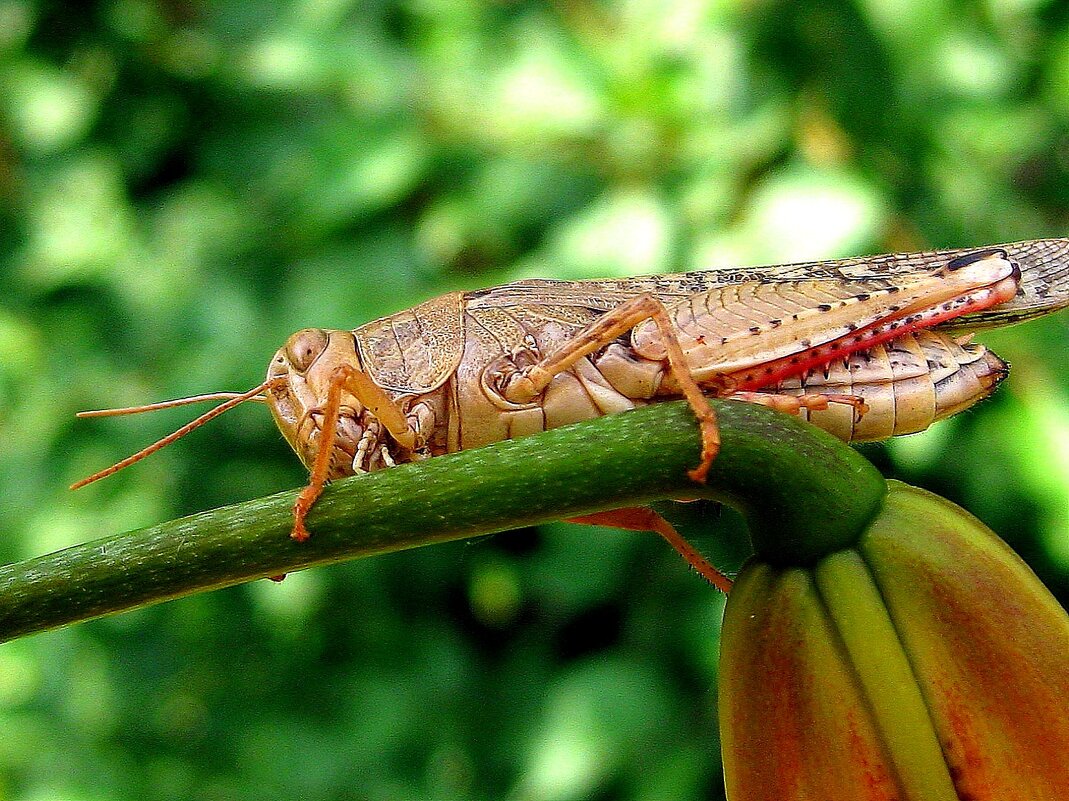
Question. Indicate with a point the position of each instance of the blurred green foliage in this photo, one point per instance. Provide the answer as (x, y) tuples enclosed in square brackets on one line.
[(183, 184)]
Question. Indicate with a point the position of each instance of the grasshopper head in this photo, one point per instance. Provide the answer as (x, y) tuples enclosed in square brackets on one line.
[(299, 376), (296, 391)]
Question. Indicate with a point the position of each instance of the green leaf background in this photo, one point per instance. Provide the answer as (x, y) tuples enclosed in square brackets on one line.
[(183, 184)]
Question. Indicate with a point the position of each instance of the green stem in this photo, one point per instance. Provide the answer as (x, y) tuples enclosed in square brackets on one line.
[(786, 477)]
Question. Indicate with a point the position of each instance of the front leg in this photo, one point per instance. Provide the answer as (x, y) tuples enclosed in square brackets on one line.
[(349, 379)]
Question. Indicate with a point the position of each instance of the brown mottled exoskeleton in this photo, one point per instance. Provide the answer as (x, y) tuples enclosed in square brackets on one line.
[(865, 348)]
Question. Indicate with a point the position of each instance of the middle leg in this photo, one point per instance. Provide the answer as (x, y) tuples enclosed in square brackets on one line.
[(528, 383), (642, 518)]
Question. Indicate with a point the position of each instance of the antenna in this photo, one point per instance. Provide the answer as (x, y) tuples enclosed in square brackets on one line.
[(232, 399), (152, 407)]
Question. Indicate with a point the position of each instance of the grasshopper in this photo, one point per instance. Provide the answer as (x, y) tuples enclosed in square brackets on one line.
[(866, 348)]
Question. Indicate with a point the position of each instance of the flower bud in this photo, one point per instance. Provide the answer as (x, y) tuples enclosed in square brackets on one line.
[(926, 663)]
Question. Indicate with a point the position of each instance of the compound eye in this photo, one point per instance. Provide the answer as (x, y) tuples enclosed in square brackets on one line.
[(304, 347)]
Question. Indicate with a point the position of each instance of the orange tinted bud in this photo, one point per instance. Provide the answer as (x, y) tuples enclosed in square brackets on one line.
[(927, 663)]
